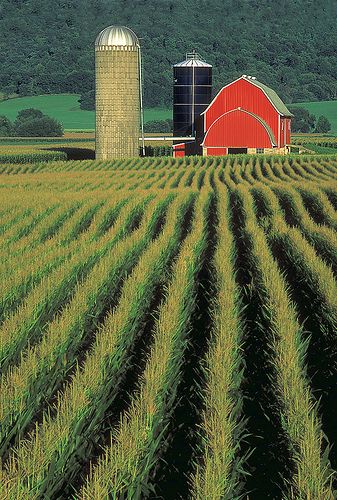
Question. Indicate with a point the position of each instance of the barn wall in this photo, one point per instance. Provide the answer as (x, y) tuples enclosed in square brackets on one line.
[(237, 129), (214, 151), (244, 94)]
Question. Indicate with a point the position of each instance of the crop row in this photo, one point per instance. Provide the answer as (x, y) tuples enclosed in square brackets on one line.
[(172, 335)]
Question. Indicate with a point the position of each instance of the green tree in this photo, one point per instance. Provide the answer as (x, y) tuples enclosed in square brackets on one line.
[(159, 126), (323, 125), (39, 127), (28, 114), (302, 121), (6, 127), (87, 100)]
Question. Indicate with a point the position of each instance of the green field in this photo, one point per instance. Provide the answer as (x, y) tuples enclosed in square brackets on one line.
[(325, 108), (168, 329), (66, 109)]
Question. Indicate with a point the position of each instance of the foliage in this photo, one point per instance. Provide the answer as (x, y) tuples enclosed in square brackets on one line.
[(302, 121), (28, 115), (158, 150), (87, 100), (161, 126), (33, 123), (323, 125), (325, 108), (6, 127), (48, 47)]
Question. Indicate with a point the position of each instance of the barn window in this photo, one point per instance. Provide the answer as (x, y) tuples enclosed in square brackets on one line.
[(260, 150)]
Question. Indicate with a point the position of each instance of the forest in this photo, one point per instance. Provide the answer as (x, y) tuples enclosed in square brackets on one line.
[(48, 46)]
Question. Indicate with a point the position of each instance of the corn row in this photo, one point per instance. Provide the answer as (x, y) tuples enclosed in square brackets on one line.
[(318, 275), (54, 290), (311, 478), (321, 237), (80, 418), (43, 366), (217, 469), (49, 256), (125, 468), (319, 201)]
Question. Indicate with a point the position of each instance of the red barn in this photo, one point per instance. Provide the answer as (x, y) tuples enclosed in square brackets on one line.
[(245, 117)]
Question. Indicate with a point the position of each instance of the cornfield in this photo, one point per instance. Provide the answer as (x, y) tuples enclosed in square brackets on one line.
[(168, 329)]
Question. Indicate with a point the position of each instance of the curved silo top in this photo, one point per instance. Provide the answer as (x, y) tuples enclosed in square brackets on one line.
[(117, 36), (192, 60)]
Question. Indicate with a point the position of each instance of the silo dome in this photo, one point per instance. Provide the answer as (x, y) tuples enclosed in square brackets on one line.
[(118, 70), (117, 36)]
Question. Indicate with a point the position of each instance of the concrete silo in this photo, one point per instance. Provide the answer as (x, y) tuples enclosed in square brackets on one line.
[(118, 93)]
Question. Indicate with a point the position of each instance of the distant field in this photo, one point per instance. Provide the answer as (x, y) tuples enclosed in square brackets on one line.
[(66, 109), (325, 108)]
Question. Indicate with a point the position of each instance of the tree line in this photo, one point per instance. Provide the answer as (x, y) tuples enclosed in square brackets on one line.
[(48, 46), (30, 123)]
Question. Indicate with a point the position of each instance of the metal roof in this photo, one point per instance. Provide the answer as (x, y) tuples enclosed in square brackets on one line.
[(193, 60), (117, 36), (272, 96)]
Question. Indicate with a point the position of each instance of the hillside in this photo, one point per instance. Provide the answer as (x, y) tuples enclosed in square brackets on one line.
[(47, 47), (325, 108), (66, 109)]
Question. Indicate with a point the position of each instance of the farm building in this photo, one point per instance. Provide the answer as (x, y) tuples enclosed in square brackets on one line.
[(245, 117)]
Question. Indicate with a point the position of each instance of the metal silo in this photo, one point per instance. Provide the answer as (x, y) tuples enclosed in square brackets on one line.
[(118, 93), (192, 93)]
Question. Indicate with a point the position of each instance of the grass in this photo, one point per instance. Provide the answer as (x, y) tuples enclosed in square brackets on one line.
[(325, 108), (66, 109)]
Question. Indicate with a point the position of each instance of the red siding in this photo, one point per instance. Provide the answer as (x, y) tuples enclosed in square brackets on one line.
[(237, 129), (285, 131), (244, 94), (288, 130), (178, 150), (216, 151)]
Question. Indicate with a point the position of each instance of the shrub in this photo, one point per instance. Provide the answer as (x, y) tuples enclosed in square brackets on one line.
[(323, 125), (6, 127), (39, 127)]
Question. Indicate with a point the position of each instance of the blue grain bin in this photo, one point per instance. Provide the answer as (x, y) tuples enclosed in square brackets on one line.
[(192, 93)]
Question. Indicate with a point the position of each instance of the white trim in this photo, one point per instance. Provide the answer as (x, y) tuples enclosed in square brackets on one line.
[(271, 102), (256, 117), (214, 98), (249, 81), (279, 132)]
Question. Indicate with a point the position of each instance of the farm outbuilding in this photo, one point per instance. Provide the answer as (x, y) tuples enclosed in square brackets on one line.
[(246, 116)]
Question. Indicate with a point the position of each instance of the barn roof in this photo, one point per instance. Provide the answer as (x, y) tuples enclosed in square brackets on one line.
[(276, 101), (272, 96)]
